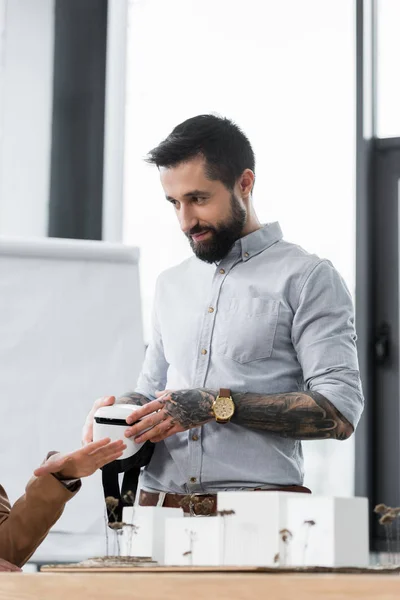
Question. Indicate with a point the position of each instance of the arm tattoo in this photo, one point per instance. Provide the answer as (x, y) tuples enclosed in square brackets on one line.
[(190, 408), (132, 398), (298, 415)]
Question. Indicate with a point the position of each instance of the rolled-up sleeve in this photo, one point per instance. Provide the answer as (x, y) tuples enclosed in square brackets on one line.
[(153, 375), (324, 338)]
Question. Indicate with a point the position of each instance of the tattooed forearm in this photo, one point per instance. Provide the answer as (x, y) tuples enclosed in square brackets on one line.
[(189, 408), (132, 398), (298, 415)]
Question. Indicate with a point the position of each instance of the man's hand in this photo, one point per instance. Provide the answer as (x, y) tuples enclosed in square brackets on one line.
[(82, 462), (175, 411), (128, 398), (7, 567), (87, 431)]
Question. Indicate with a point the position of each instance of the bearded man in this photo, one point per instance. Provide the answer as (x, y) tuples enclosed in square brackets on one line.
[(253, 344)]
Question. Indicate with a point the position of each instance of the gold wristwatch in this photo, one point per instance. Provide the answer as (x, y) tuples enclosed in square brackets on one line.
[(223, 406)]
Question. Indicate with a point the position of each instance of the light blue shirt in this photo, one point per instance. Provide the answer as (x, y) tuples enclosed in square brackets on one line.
[(269, 318)]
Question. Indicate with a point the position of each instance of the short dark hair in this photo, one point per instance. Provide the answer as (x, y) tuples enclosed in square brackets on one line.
[(226, 149)]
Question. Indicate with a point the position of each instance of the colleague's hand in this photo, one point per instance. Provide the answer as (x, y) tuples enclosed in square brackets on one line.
[(82, 462), (6, 567), (174, 411), (87, 431)]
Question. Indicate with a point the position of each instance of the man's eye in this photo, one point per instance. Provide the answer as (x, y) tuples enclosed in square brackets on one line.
[(198, 199)]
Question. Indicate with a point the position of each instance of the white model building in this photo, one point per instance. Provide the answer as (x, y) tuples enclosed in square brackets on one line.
[(252, 535), (249, 537), (194, 541), (272, 529), (330, 532), (147, 537), (265, 529)]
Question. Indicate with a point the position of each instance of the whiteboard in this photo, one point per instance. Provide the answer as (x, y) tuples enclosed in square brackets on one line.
[(70, 331)]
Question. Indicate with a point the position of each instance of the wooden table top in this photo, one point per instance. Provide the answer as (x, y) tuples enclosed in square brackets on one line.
[(196, 586)]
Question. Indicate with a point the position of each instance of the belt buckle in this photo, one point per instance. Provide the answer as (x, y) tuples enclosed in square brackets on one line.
[(191, 506), (198, 507)]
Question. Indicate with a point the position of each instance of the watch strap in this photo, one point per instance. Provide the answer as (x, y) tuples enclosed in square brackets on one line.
[(224, 393)]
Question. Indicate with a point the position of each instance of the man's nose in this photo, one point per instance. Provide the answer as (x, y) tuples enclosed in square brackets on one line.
[(187, 219)]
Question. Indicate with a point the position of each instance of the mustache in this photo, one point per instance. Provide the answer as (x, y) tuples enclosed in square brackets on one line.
[(198, 229)]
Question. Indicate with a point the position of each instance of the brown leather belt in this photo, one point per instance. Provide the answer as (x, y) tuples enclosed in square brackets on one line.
[(202, 504)]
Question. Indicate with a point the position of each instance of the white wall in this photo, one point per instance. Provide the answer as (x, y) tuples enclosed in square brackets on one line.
[(26, 86)]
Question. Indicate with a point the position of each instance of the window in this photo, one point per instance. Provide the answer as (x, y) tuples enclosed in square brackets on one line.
[(26, 87), (387, 58)]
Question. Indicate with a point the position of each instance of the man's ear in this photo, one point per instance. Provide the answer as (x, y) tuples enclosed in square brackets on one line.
[(246, 183)]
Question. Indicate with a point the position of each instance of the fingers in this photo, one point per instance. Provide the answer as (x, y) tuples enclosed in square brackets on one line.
[(82, 463), (160, 429), (40, 471), (145, 410), (6, 566), (168, 433), (93, 446), (85, 461), (104, 457), (146, 423), (162, 393), (106, 447), (87, 431), (52, 465)]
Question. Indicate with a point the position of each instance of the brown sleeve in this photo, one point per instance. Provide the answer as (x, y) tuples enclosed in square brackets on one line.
[(24, 526)]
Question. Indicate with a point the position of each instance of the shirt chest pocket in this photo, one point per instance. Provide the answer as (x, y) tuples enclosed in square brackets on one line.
[(245, 328)]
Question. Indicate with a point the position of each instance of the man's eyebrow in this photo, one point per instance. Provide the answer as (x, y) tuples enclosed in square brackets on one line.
[(191, 194), (196, 193)]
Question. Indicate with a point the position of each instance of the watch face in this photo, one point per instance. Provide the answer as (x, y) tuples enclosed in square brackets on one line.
[(224, 408)]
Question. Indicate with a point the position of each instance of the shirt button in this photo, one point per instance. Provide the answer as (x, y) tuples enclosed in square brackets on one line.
[(211, 310), (195, 437), (193, 479), (222, 271), (204, 351), (246, 254)]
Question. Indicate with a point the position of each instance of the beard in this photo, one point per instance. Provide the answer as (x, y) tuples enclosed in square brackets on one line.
[(223, 235)]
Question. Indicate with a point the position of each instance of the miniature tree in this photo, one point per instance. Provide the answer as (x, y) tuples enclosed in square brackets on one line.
[(118, 526), (224, 514), (396, 511), (131, 529), (308, 524), (111, 507), (192, 538), (388, 516), (286, 536)]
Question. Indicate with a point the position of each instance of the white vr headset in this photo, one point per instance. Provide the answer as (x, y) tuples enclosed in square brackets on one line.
[(110, 421)]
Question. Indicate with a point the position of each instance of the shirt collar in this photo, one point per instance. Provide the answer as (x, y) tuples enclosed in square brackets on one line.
[(255, 242), (260, 240)]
